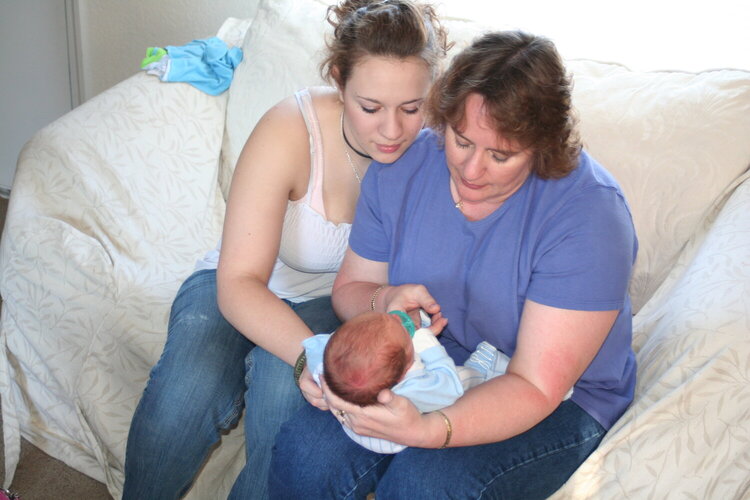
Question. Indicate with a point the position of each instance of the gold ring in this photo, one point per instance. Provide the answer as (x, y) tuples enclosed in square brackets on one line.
[(341, 413)]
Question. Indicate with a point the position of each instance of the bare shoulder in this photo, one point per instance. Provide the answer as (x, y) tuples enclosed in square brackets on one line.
[(287, 113), (283, 116), (277, 153), (280, 138), (278, 149)]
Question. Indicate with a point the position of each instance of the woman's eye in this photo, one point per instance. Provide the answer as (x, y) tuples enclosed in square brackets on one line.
[(411, 111), (461, 145), (369, 110), (499, 159)]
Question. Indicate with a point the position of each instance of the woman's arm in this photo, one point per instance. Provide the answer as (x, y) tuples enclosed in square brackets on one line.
[(272, 169), (554, 348), (361, 285), (356, 282)]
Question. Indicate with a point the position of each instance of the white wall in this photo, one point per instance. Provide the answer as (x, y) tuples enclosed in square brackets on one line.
[(34, 75), (38, 81), (641, 34), (114, 34)]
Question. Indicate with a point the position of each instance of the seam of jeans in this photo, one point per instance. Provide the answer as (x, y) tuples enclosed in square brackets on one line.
[(234, 413), (249, 360), (596, 435), (356, 482)]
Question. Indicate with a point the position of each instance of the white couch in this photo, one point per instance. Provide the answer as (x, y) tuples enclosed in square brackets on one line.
[(113, 203)]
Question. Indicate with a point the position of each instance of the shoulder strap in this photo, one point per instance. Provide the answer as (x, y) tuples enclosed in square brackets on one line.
[(314, 196)]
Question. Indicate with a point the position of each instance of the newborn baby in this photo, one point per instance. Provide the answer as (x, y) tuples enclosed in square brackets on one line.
[(374, 351)]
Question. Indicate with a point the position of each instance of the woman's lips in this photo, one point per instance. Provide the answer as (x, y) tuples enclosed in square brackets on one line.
[(388, 148), (469, 185)]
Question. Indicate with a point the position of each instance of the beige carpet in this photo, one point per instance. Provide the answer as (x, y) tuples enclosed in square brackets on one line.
[(41, 477)]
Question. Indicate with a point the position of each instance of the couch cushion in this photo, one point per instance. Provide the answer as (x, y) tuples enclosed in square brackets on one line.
[(281, 53)]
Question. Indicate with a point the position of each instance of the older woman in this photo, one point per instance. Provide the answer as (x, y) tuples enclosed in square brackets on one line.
[(501, 227)]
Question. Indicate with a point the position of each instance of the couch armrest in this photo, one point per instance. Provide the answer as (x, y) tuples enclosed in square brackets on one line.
[(110, 207), (130, 166), (687, 433)]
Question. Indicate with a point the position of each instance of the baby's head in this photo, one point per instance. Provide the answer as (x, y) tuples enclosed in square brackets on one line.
[(367, 354)]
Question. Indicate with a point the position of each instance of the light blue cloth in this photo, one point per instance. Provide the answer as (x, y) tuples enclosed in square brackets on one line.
[(207, 65)]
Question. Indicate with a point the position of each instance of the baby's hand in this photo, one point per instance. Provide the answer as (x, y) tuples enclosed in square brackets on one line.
[(434, 324)]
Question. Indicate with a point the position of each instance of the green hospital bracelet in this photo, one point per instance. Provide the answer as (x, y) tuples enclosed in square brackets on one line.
[(406, 321)]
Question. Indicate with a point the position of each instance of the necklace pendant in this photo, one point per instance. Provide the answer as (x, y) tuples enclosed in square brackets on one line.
[(459, 205)]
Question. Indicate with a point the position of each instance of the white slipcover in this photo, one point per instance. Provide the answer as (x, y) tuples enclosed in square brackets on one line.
[(113, 203)]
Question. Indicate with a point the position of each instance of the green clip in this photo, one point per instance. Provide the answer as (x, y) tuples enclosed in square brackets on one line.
[(406, 321), (153, 54)]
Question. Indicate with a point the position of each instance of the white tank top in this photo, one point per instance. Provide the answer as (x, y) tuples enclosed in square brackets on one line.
[(312, 247)]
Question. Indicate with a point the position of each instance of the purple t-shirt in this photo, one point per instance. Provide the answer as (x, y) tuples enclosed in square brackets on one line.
[(567, 243)]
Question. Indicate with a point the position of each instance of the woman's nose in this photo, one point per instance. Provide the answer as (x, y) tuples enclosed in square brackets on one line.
[(391, 128), (472, 167)]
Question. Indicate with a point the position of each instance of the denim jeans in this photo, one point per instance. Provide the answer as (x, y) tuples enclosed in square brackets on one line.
[(314, 458), (198, 389)]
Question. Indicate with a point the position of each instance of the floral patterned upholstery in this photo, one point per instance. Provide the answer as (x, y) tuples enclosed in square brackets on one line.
[(113, 203)]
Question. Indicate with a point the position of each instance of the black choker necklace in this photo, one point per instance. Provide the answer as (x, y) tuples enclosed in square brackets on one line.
[(343, 134)]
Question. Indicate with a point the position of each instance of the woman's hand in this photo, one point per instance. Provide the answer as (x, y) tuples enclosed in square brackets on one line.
[(411, 298), (311, 392), (395, 419)]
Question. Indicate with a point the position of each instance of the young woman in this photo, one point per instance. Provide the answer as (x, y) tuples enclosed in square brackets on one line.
[(287, 223)]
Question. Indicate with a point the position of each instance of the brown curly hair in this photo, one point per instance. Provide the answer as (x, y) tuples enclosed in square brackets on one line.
[(526, 93), (395, 28)]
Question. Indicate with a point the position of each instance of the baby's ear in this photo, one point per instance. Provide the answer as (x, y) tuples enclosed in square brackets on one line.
[(385, 396)]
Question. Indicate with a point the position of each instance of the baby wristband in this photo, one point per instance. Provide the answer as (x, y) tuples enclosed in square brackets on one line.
[(406, 321)]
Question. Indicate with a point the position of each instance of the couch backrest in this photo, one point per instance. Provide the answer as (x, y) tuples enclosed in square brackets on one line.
[(675, 141)]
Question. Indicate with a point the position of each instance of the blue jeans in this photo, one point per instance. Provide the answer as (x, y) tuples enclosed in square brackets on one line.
[(314, 458), (197, 390)]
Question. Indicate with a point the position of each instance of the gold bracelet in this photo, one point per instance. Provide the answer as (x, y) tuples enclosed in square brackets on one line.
[(299, 366), (374, 296), (448, 429)]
